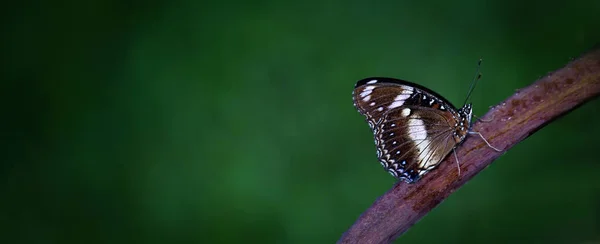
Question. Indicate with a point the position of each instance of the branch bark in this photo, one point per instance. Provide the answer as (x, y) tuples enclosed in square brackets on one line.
[(513, 120)]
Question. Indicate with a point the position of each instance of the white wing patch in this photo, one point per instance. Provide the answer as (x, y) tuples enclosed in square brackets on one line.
[(418, 133), (407, 91), (367, 91)]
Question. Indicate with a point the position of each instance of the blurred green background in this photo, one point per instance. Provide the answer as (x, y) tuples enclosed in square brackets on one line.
[(232, 121)]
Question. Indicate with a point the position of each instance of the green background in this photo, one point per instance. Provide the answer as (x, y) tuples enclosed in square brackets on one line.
[(232, 121)]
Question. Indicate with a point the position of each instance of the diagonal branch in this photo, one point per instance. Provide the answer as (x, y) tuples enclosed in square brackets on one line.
[(525, 112)]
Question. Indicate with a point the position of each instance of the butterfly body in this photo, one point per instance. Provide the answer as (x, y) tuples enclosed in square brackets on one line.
[(414, 127)]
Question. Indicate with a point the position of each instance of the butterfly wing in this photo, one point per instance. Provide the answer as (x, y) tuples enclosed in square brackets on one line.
[(412, 125)]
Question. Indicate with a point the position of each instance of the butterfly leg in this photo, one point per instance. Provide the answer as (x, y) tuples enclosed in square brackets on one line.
[(457, 164), (482, 120), (486, 142)]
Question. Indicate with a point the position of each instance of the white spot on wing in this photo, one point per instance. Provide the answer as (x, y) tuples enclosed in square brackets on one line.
[(367, 98), (380, 109), (406, 112), (371, 82)]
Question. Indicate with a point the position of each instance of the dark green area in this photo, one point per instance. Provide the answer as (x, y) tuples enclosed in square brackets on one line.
[(225, 121)]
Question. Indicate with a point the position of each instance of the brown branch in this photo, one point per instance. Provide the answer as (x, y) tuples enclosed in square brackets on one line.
[(513, 120)]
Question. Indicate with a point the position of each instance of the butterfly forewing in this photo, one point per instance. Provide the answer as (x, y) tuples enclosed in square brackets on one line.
[(374, 99), (414, 128)]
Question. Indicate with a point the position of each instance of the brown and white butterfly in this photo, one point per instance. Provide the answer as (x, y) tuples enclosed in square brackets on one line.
[(414, 127)]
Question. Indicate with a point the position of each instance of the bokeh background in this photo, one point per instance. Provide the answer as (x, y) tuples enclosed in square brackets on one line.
[(232, 121)]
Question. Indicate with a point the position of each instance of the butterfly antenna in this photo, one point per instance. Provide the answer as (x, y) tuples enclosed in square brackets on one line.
[(475, 79)]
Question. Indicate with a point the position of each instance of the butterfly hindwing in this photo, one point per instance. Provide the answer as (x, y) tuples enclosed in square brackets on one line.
[(411, 141)]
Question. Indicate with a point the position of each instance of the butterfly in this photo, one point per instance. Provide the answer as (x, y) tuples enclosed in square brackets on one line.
[(414, 127)]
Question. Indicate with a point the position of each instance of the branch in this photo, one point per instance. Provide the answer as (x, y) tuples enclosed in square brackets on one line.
[(525, 112)]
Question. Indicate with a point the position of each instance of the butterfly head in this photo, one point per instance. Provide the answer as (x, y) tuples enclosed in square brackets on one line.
[(463, 123)]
